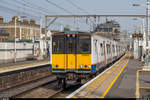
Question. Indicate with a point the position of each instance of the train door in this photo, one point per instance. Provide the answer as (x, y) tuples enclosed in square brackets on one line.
[(71, 50)]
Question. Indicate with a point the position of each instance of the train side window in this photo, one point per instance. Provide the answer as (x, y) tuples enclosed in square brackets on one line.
[(95, 46), (113, 48), (102, 49), (116, 49), (108, 48)]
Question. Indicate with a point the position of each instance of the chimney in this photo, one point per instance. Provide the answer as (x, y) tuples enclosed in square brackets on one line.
[(32, 22), (25, 21), (13, 19), (1, 19)]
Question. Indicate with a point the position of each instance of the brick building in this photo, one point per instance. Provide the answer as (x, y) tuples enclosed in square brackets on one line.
[(25, 30), (3, 36)]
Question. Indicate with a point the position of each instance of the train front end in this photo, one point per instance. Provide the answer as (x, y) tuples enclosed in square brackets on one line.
[(71, 55)]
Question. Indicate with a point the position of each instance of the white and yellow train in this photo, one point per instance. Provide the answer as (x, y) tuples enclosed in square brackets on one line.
[(76, 55)]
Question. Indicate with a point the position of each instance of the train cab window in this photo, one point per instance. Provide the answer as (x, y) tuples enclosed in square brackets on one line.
[(71, 44), (84, 44), (57, 45)]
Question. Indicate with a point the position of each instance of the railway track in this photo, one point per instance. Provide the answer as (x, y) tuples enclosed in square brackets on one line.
[(43, 86), (20, 80), (51, 90), (20, 89), (44, 91)]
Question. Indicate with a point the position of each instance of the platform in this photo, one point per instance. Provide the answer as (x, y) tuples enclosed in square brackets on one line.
[(25, 64), (118, 81)]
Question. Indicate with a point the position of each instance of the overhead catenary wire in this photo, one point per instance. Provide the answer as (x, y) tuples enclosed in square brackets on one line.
[(32, 9), (37, 7), (9, 10), (14, 11), (84, 11), (81, 9), (61, 8)]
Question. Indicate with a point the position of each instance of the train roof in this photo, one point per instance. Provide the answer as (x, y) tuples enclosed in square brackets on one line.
[(71, 32)]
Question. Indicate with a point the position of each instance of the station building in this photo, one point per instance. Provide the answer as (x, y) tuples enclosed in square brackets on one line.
[(25, 30)]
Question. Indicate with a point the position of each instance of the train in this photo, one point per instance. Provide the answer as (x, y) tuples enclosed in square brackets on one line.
[(77, 55)]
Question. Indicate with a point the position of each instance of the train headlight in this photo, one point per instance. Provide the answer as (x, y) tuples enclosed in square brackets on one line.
[(53, 66), (89, 66), (81, 66)]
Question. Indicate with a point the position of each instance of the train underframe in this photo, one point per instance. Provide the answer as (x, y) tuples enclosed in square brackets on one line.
[(71, 77)]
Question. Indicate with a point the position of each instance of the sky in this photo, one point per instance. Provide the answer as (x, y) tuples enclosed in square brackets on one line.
[(38, 8)]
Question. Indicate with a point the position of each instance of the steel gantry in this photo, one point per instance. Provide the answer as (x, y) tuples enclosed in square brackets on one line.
[(55, 17)]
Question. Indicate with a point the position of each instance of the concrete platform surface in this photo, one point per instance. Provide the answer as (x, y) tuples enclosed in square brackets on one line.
[(125, 86), (118, 81)]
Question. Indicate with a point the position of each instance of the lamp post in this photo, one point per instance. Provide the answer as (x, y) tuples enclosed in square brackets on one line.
[(15, 51), (147, 31)]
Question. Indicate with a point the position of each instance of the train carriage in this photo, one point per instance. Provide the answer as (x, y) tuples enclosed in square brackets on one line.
[(76, 55)]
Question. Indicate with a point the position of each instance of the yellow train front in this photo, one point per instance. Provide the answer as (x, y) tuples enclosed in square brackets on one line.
[(71, 56)]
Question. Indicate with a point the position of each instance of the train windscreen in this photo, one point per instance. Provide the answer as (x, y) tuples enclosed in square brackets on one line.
[(84, 44), (71, 44), (58, 44)]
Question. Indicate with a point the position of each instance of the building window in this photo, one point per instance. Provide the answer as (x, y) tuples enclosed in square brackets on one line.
[(2, 30), (22, 34)]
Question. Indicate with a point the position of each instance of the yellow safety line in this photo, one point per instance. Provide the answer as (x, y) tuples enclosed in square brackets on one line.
[(137, 94), (96, 82), (109, 87)]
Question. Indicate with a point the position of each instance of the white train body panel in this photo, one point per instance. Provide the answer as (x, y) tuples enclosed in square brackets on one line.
[(104, 50)]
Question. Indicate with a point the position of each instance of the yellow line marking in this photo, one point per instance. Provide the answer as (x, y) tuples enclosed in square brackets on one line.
[(74, 97), (95, 84), (109, 87)]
